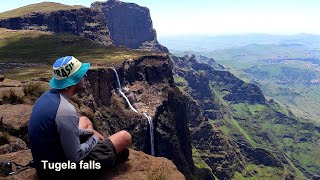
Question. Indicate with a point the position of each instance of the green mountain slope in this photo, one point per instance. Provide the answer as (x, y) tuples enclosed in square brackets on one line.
[(259, 127), (287, 72)]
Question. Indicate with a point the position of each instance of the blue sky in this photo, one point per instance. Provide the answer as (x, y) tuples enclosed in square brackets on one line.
[(219, 17)]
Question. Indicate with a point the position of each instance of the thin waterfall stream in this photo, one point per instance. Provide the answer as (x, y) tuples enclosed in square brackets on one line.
[(151, 132), (133, 109), (122, 94)]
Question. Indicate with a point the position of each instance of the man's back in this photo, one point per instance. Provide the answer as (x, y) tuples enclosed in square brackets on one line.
[(43, 134), (54, 133)]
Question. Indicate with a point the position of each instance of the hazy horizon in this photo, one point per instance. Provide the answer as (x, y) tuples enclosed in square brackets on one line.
[(220, 18)]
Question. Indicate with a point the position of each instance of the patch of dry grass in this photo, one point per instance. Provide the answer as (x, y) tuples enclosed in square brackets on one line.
[(33, 90), (157, 175), (11, 97)]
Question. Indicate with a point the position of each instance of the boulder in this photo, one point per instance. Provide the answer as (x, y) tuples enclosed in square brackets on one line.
[(15, 118)]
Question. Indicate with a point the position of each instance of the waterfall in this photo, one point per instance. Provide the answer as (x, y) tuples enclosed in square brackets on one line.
[(118, 81), (133, 109), (122, 94), (151, 132)]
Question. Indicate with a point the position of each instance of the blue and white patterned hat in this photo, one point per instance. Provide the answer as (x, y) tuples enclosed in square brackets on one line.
[(67, 71)]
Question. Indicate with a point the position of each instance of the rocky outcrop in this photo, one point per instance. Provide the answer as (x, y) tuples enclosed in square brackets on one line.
[(172, 135), (130, 25), (15, 118), (198, 85), (10, 144), (82, 22), (211, 62), (139, 166), (233, 88), (236, 90), (219, 153), (260, 156)]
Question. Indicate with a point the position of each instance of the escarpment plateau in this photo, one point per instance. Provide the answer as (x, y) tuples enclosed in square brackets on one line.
[(111, 22), (76, 21)]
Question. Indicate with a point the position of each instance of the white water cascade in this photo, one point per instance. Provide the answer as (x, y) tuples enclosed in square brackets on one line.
[(151, 132), (133, 109), (122, 94)]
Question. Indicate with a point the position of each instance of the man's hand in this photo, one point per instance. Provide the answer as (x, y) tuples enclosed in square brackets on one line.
[(98, 134)]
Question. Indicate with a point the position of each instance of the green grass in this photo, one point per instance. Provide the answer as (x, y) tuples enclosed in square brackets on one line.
[(257, 172), (284, 135), (201, 168), (198, 161), (244, 108), (179, 79), (225, 129), (256, 109), (300, 174), (304, 153), (43, 48), (180, 82), (245, 133), (28, 73), (39, 7)]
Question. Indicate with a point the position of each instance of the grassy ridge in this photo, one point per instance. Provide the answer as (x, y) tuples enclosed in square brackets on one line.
[(39, 7), (299, 141), (257, 172)]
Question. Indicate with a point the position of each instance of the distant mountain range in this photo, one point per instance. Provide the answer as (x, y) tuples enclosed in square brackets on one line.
[(210, 43)]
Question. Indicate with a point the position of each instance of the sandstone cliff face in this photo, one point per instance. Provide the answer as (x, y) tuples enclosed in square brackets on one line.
[(82, 22), (130, 25)]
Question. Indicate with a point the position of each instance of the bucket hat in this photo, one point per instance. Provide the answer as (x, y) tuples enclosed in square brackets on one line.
[(67, 71)]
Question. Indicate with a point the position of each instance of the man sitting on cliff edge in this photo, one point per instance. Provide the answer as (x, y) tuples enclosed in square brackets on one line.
[(55, 128)]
